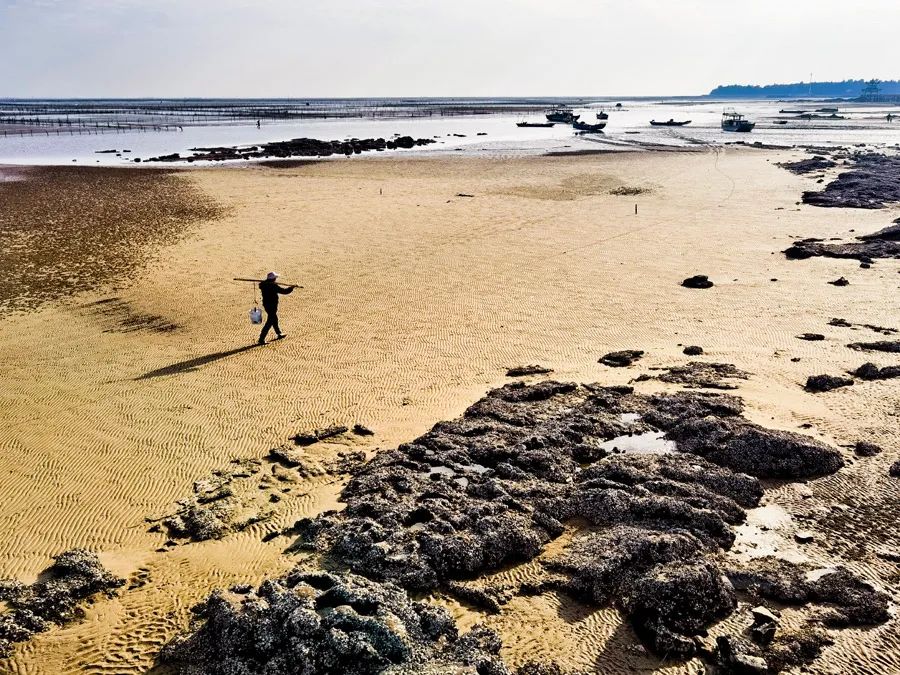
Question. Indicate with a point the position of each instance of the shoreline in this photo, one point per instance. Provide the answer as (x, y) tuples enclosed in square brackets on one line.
[(416, 302)]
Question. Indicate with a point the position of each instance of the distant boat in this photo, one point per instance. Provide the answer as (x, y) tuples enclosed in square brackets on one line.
[(670, 123), (590, 128), (602, 115), (827, 110), (733, 121), (534, 124), (562, 114)]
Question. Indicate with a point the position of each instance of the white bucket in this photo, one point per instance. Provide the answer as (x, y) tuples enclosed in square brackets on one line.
[(256, 315)]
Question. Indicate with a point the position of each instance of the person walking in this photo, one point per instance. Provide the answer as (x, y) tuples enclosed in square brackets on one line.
[(270, 291)]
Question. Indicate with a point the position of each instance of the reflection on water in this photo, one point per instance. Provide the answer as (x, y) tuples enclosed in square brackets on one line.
[(628, 128), (651, 441)]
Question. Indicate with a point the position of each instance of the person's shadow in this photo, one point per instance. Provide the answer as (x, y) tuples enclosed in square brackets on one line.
[(193, 364)]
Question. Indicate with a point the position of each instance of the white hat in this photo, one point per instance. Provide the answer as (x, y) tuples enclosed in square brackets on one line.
[(271, 276)]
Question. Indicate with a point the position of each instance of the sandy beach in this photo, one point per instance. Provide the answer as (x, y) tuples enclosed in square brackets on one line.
[(129, 372)]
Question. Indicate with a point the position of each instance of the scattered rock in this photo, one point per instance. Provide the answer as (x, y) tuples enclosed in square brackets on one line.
[(54, 598), (318, 435), (866, 449), (840, 323), (804, 536), (821, 383), (698, 281), (765, 626), (523, 371), (693, 350), (839, 282), (740, 657), (361, 430), (812, 337), (894, 471), (621, 359), (869, 371)]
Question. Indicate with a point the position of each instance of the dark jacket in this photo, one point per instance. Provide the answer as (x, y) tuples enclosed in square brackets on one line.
[(270, 291)]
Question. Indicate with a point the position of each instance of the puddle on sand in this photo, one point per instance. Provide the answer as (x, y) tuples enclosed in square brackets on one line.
[(651, 441), (768, 531)]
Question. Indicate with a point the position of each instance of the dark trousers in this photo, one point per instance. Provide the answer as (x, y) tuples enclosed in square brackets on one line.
[(271, 322)]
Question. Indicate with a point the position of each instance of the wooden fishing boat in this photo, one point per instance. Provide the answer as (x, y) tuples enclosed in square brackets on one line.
[(590, 128), (670, 123), (562, 114)]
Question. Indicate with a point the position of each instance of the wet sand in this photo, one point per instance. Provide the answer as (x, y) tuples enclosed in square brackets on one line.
[(416, 301)]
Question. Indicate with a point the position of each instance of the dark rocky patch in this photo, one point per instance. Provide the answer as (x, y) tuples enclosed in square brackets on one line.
[(873, 182), (362, 430), (704, 375), (693, 350), (697, 281), (55, 598), (894, 470), (491, 488), (749, 448), (811, 165), (840, 282), (869, 371), (621, 359), (840, 323), (812, 337), (877, 346), (677, 600), (523, 371), (818, 384), (325, 624), (298, 147), (67, 230), (629, 191)]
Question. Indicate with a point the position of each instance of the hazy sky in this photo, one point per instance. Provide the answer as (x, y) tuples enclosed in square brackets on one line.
[(309, 48)]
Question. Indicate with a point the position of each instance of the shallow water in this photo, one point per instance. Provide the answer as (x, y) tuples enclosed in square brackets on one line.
[(628, 128)]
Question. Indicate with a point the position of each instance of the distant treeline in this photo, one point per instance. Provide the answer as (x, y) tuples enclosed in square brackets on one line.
[(844, 89)]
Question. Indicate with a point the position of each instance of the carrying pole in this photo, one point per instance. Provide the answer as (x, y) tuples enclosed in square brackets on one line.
[(276, 281)]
